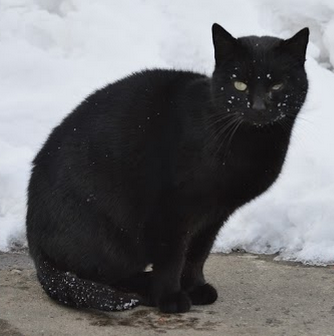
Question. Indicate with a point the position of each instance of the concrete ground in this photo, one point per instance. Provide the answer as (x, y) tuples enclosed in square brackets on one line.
[(257, 297)]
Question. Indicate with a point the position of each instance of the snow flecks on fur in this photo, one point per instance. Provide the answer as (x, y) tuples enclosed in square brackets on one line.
[(72, 291)]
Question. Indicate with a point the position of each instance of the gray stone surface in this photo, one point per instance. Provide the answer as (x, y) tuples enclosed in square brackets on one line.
[(257, 297)]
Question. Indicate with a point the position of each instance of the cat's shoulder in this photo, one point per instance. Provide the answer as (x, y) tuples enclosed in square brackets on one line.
[(165, 74), (156, 77), (140, 85)]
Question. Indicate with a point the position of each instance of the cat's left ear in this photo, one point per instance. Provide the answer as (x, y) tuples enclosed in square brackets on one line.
[(223, 42), (297, 44)]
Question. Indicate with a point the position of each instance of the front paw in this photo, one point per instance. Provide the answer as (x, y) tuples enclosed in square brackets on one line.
[(178, 302), (203, 295)]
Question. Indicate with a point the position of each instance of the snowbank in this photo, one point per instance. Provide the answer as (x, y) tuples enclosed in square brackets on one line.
[(55, 52)]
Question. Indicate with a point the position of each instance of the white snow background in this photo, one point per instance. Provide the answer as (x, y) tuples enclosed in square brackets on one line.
[(53, 53)]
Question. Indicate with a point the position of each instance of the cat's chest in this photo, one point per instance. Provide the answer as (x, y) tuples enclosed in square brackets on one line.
[(245, 175), (233, 179)]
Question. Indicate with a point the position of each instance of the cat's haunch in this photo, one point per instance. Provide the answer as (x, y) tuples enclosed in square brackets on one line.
[(145, 171)]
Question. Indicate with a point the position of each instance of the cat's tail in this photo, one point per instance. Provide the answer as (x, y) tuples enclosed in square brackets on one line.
[(72, 291)]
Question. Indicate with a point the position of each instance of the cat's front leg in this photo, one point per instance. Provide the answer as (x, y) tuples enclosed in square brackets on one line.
[(166, 291), (193, 280), (168, 244)]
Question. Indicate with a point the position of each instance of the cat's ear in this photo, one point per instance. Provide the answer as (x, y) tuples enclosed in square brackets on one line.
[(297, 44), (224, 43)]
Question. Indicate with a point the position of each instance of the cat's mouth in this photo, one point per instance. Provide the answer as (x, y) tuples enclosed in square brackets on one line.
[(262, 119)]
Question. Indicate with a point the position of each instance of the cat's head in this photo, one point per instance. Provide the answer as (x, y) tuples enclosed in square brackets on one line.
[(259, 80)]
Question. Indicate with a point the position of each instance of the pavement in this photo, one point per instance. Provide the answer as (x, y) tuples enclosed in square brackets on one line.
[(257, 296)]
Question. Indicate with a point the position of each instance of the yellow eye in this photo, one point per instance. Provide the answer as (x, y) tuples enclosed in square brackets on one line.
[(277, 87), (240, 86)]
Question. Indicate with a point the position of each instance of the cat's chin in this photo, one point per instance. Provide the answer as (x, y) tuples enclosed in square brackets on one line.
[(261, 123), (260, 118)]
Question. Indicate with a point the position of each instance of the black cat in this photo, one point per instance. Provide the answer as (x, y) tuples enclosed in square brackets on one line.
[(147, 170)]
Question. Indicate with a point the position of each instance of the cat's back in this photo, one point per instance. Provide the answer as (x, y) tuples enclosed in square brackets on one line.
[(135, 98), (117, 127), (128, 106)]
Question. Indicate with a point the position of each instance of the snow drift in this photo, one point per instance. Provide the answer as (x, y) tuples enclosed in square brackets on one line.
[(55, 52)]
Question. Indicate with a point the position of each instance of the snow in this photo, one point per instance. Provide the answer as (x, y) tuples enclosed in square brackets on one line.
[(55, 52)]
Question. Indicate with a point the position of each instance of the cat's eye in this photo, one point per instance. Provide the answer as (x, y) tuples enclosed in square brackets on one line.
[(240, 86), (277, 87)]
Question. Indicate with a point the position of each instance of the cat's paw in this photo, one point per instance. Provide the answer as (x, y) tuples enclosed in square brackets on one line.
[(203, 295), (175, 303)]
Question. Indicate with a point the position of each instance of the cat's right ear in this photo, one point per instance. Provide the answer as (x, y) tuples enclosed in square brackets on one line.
[(224, 43), (297, 44)]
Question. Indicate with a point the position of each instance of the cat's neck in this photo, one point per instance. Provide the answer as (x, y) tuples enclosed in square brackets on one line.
[(255, 143)]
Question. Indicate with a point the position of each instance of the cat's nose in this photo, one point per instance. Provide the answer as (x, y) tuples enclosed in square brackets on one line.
[(258, 104)]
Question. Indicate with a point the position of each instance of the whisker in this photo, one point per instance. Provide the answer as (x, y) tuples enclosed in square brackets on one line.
[(229, 133), (234, 130), (217, 120), (213, 139), (293, 135), (299, 117)]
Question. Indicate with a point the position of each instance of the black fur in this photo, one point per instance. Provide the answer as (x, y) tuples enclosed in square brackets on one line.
[(147, 170)]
